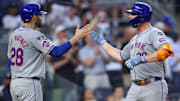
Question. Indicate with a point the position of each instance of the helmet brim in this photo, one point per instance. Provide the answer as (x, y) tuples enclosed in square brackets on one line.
[(129, 11), (42, 13)]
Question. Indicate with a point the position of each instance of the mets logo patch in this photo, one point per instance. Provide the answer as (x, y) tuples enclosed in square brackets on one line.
[(45, 43)]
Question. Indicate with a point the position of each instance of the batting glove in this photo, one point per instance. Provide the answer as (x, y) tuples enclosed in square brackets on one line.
[(98, 37), (131, 63)]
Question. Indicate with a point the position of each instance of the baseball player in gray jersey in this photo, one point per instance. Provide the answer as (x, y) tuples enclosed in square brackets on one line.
[(27, 50), (143, 55)]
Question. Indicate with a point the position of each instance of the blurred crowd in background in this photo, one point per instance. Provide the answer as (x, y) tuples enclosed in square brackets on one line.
[(91, 74)]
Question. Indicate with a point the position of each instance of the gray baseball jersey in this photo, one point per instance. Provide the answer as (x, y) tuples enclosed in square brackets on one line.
[(144, 44), (27, 50)]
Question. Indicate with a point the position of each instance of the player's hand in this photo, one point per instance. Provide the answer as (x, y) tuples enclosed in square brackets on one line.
[(98, 37), (86, 30), (80, 33), (131, 63)]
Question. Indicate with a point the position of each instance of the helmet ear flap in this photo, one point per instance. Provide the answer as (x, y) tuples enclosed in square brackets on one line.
[(26, 16), (139, 19), (136, 21)]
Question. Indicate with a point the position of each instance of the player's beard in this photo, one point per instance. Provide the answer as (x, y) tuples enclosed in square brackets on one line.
[(38, 22)]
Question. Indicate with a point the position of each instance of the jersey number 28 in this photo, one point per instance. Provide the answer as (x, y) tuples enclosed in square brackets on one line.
[(18, 55)]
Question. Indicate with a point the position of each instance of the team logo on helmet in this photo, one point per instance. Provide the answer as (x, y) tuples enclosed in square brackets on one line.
[(45, 43)]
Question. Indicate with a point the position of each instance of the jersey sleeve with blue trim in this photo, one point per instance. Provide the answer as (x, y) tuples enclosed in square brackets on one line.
[(40, 42), (158, 39)]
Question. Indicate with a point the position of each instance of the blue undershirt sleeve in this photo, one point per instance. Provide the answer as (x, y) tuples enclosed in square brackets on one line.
[(60, 49)]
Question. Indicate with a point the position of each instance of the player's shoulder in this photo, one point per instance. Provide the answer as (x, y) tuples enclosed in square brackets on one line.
[(37, 34), (14, 32), (133, 38), (156, 30)]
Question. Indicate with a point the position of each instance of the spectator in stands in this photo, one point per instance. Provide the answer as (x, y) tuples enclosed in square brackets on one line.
[(5, 94), (72, 19), (110, 98), (119, 40), (115, 20), (94, 59), (175, 62), (88, 95), (59, 34), (114, 68), (93, 10), (13, 19), (128, 33), (5, 3), (66, 64), (4, 6), (56, 15), (84, 19), (169, 24), (80, 75), (177, 7), (160, 25), (119, 94), (103, 25), (83, 4), (115, 17)]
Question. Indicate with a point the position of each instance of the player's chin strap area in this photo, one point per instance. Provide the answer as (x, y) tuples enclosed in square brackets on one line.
[(139, 19), (164, 51)]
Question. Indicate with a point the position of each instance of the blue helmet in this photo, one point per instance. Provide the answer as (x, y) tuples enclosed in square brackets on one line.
[(28, 10), (143, 11)]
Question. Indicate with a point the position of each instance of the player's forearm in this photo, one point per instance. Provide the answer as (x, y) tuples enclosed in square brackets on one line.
[(73, 40), (155, 58), (161, 54), (113, 52), (152, 57)]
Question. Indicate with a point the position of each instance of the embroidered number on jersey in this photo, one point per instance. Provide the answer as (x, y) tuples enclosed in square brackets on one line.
[(17, 57)]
